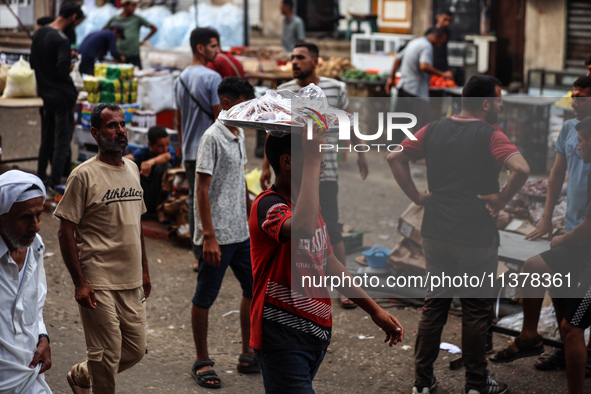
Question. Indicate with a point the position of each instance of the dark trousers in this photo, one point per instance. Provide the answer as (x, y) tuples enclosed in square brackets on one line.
[(289, 371), (190, 173), (135, 60), (475, 324), (57, 128), (152, 187), (456, 261)]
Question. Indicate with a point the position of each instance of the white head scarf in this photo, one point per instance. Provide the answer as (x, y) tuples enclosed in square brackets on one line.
[(14, 185)]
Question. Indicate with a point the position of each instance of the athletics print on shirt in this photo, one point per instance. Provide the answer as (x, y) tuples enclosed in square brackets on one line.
[(122, 195)]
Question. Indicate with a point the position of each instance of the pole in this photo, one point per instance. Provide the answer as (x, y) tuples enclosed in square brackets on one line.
[(195, 5), (246, 24)]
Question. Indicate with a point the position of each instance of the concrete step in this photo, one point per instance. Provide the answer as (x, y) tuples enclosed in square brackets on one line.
[(11, 38)]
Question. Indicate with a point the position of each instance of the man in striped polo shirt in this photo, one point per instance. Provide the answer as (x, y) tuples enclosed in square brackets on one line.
[(304, 59)]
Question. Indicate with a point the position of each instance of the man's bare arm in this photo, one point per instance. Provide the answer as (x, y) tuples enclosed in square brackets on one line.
[(153, 30), (384, 320), (519, 169), (428, 68), (146, 282), (400, 167), (212, 253), (555, 181), (42, 355), (84, 292), (392, 77), (178, 123)]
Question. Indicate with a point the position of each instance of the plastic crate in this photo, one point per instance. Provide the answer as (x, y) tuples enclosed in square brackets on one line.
[(353, 241)]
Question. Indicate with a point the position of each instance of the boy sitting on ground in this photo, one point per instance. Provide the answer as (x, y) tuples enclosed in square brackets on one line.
[(153, 161)]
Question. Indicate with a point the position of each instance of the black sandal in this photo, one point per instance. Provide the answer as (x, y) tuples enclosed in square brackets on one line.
[(551, 362), (525, 348), (252, 367), (202, 378)]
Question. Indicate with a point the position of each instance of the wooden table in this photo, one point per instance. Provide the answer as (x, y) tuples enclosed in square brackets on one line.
[(275, 78), (20, 135)]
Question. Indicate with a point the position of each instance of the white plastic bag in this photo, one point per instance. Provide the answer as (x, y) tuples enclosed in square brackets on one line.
[(21, 81), (3, 76), (76, 76), (155, 93)]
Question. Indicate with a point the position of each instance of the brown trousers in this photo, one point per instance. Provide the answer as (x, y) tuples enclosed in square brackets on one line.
[(115, 335)]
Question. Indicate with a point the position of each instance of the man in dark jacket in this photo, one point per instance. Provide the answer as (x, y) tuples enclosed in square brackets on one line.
[(96, 45), (52, 61)]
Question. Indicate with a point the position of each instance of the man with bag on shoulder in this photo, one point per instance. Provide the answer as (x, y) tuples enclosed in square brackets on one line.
[(196, 105)]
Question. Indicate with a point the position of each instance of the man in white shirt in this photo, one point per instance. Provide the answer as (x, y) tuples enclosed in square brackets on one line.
[(24, 345)]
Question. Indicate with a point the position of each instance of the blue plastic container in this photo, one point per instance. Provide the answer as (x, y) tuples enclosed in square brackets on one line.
[(377, 256)]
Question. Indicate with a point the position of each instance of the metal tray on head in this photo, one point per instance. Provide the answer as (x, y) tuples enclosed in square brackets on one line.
[(275, 128), (270, 126)]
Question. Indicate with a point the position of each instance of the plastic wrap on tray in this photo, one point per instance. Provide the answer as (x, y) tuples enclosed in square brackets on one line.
[(272, 107), (280, 111)]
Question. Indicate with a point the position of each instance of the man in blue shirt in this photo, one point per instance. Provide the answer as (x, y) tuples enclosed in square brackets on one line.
[(153, 161), (559, 259), (96, 45), (197, 105)]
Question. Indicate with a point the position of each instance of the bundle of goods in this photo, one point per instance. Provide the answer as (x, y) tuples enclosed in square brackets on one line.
[(270, 52), (283, 111), (113, 84), (364, 76), (333, 67)]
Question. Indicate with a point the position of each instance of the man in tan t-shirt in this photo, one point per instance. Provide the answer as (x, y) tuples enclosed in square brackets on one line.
[(103, 248)]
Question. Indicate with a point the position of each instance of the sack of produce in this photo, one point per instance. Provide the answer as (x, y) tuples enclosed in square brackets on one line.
[(3, 76), (20, 81)]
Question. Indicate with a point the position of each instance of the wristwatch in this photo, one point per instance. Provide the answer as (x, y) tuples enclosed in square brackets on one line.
[(44, 336)]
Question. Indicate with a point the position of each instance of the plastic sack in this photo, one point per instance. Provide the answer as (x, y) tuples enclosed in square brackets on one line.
[(77, 77), (96, 19), (174, 29), (3, 76), (20, 81), (155, 93), (253, 181), (156, 15)]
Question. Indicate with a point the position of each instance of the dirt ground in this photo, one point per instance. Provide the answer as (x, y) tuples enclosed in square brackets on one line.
[(357, 360)]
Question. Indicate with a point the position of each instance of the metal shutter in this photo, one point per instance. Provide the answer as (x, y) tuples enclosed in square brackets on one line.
[(578, 38)]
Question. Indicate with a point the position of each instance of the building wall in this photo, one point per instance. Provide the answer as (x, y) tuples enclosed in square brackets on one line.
[(545, 29), (272, 20), (421, 16)]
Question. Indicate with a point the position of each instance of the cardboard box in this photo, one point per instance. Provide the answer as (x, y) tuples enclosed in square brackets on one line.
[(410, 223), (250, 66), (268, 65)]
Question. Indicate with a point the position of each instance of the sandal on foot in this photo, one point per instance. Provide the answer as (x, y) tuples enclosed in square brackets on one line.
[(252, 367), (525, 348), (203, 378), (551, 362), (347, 303)]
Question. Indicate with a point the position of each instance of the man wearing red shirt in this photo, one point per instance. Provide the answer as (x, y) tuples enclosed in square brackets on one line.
[(464, 155), (226, 65)]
